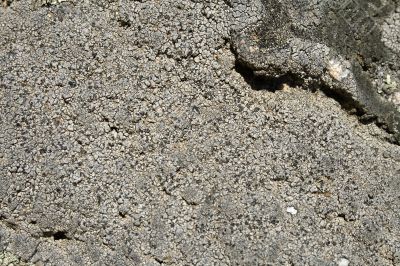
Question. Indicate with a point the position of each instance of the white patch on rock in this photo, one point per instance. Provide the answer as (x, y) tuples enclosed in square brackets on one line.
[(291, 210), (396, 98), (343, 262), (337, 69)]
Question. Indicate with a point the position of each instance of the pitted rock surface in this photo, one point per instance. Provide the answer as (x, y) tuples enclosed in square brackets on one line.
[(197, 133)]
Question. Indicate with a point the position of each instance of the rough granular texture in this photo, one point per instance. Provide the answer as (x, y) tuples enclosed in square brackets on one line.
[(342, 48), (182, 132)]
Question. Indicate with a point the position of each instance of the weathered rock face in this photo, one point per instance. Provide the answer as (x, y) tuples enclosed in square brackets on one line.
[(329, 45), (198, 132)]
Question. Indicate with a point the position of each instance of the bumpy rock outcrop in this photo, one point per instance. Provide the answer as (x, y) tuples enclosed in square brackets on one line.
[(183, 132), (338, 47)]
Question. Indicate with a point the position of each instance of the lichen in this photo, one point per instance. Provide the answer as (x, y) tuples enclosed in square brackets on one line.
[(9, 259)]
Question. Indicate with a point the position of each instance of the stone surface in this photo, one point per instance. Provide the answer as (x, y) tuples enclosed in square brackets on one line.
[(181, 132), (341, 47)]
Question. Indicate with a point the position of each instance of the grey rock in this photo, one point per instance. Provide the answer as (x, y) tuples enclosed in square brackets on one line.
[(338, 47), (148, 133)]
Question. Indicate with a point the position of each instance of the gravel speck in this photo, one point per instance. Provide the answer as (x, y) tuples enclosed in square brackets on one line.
[(291, 210)]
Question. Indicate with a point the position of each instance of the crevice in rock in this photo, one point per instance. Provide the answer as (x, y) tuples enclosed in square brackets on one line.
[(56, 235), (158, 260), (124, 23), (35, 251), (46, 4), (114, 128), (228, 3), (258, 80), (189, 202), (345, 217), (262, 82), (344, 99)]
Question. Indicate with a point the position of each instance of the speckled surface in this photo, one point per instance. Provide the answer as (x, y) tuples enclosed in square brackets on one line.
[(139, 133)]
